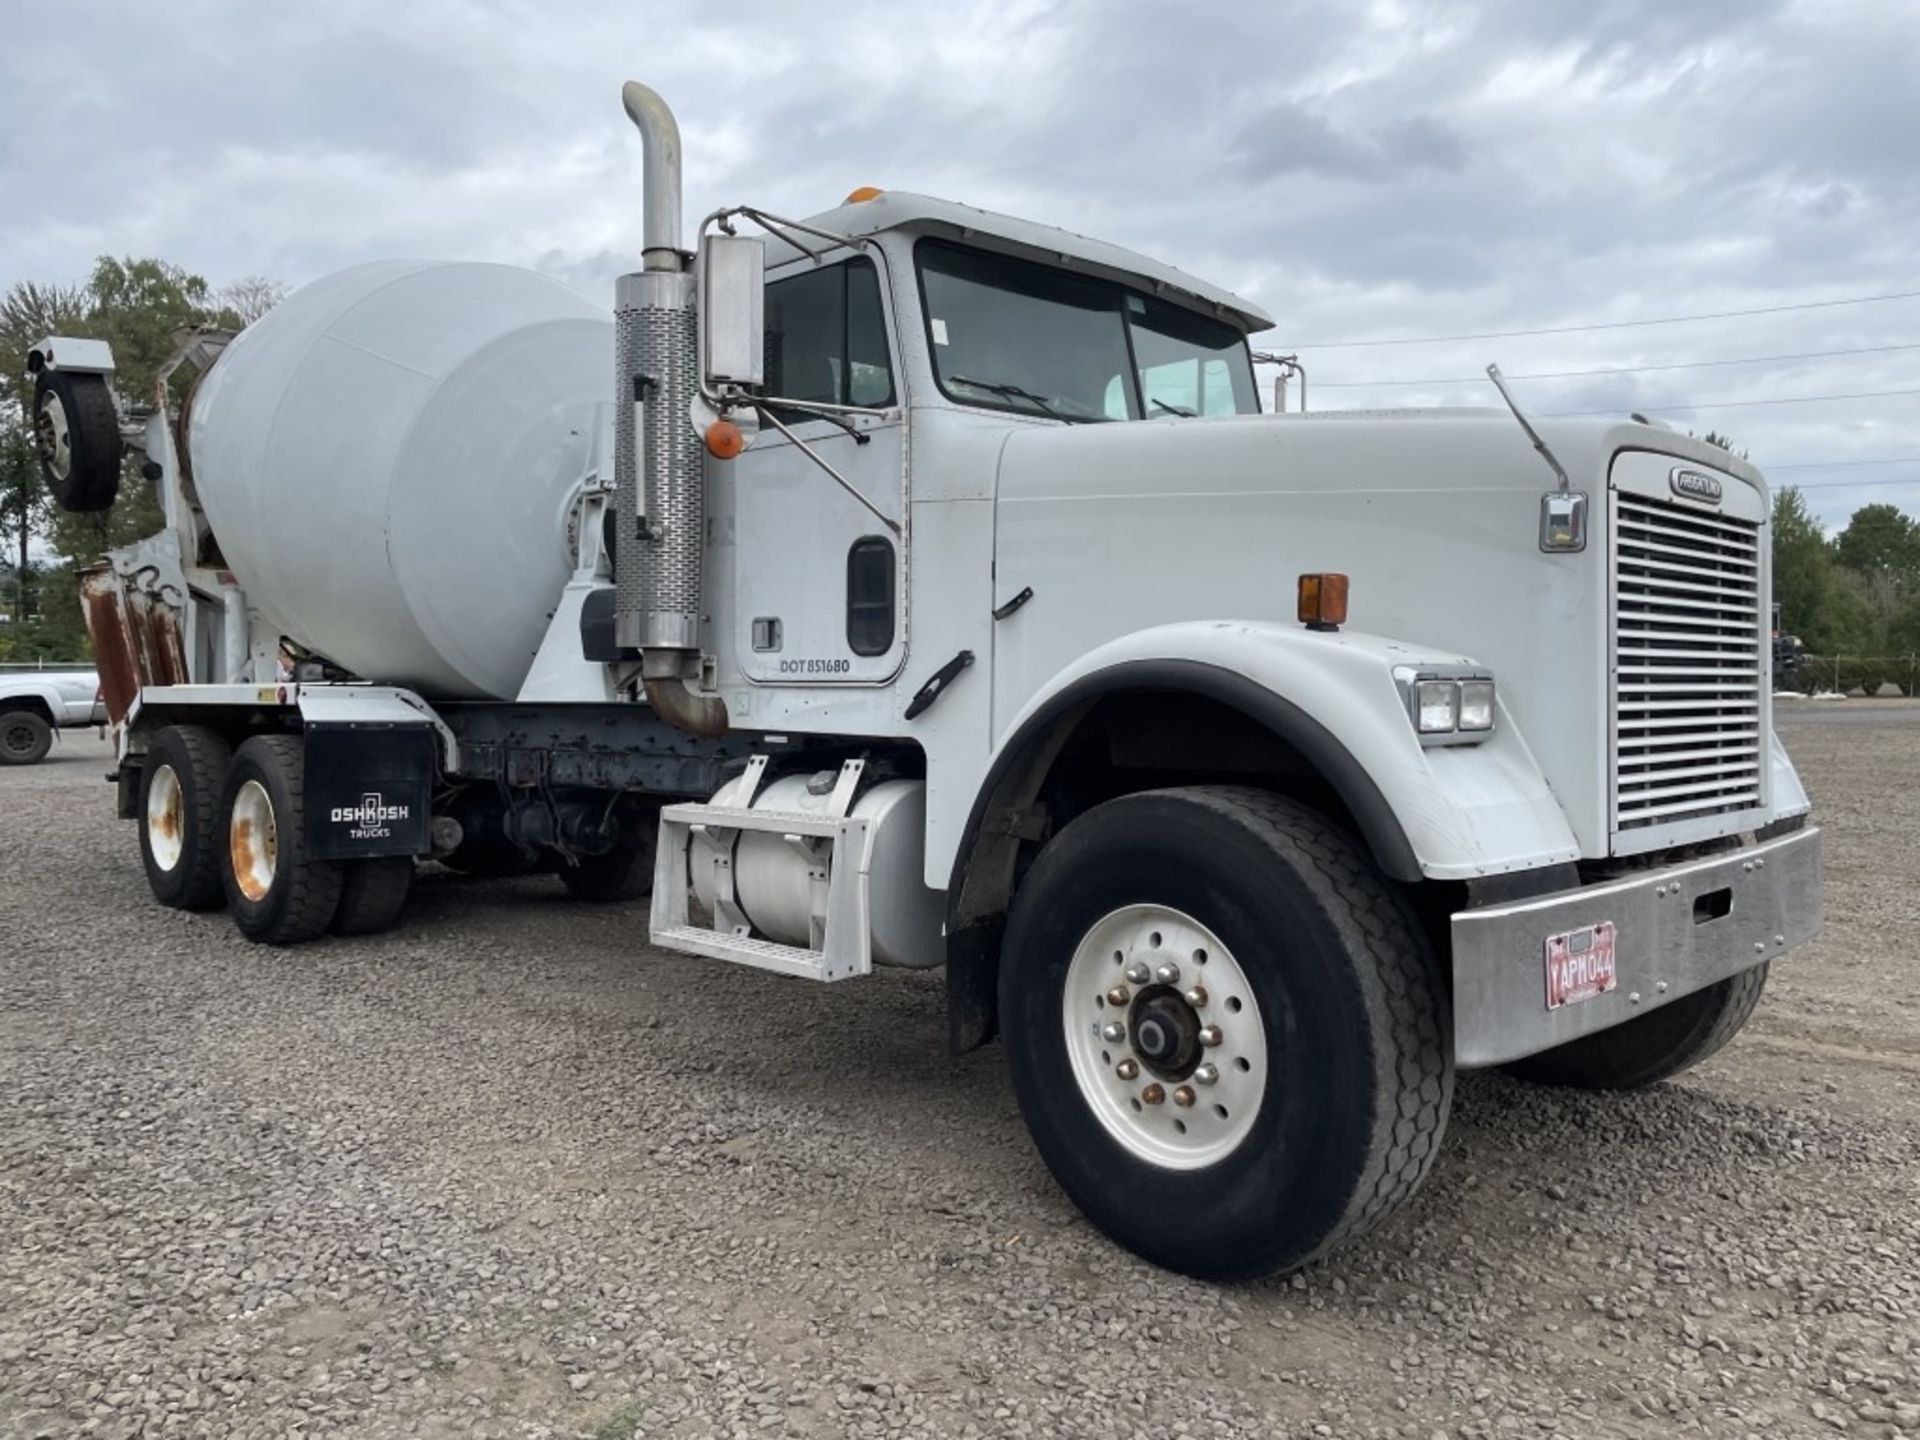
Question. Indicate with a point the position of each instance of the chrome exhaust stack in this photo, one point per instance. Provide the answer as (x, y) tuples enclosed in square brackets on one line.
[(659, 482)]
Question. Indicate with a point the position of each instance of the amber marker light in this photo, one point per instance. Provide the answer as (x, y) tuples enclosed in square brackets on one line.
[(1323, 600), (863, 194), (725, 439)]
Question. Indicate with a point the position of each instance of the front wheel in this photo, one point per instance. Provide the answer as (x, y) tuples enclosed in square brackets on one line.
[(1651, 1047), (1226, 1032)]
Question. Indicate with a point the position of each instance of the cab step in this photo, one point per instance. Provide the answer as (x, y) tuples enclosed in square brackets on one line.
[(837, 849)]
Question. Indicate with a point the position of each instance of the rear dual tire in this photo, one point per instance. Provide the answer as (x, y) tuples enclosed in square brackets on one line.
[(219, 824), (181, 816), (277, 892)]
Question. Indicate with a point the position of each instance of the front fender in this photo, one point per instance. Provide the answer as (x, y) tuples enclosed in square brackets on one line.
[(1460, 811), (27, 693)]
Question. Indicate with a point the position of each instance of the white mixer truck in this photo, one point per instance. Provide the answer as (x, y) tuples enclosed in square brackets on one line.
[(928, 589)]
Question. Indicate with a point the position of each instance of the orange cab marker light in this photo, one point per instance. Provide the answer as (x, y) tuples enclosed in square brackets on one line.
[(863, 194), (725, 440), (1323, 600)]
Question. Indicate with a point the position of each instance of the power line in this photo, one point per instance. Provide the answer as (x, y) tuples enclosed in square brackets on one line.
[(1851, 484), (1621, 369), (1733, 404), (1608, 324), (1836, 464)]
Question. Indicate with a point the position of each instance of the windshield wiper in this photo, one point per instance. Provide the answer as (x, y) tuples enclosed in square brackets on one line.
[(1016, 392), (1180, 410)]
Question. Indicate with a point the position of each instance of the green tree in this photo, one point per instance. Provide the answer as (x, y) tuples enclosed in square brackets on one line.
[(23, 504), (1882, 546), (140, 307)]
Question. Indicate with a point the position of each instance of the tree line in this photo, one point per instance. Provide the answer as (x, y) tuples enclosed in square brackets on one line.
[(1856, 593), (139, 306)]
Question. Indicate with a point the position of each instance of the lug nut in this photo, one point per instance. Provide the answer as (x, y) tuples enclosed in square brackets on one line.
[(1138, 973), (1153, 1094), (1205, 1075), (1183, 1097), (1168, 973), (1210, 1035), (1118, 996), (1196, 997), (1113, 1032), (1127, 1069)]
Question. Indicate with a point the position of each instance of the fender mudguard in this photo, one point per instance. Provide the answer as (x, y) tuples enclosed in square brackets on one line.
[(1436, 812)]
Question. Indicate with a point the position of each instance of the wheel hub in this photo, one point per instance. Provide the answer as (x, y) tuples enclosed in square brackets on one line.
[(166, 818), (253, 840), (1165, 1033), (1164, 1036), (54, 437)]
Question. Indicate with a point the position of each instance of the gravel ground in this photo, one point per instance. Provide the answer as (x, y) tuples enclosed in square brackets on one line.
[(506, 1172)]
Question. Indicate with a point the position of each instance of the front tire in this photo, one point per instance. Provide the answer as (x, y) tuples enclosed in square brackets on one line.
[(1317, 1007), (1655, 1046), (279, 893), (25, 738), (181, 832)]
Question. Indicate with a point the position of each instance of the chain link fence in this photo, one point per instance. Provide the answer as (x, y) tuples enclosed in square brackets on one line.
[(1887, 675)]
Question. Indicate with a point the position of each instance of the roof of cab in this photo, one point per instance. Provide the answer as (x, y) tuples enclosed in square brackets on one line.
[(896, 209)]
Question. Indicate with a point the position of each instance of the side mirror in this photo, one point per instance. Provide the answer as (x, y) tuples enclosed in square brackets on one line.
[(733, 342)]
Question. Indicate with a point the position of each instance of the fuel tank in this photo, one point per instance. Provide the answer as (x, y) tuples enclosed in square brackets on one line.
[(388, 459)]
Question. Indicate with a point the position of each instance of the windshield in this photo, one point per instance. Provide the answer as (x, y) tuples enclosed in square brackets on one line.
[(1014, 335)]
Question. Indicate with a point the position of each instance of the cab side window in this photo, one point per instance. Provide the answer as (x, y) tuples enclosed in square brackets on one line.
[(827, 337)]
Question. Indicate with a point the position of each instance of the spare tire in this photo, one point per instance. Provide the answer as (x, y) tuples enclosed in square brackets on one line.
[(77, 432)]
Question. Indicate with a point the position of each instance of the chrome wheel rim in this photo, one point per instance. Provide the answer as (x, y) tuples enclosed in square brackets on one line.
[(166, 818), (1164, 1037), (253, 841), (54, 436)]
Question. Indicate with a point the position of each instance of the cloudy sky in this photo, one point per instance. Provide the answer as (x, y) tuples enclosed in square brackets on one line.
[(1367, 171)]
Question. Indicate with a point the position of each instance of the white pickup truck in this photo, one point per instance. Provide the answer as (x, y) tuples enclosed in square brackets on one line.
[(36, 703)]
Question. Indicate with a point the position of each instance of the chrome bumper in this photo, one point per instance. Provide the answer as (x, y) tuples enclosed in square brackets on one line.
[(1677, 930)]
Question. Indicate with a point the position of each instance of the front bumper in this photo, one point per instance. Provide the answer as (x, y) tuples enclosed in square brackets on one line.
[(1677, 930)]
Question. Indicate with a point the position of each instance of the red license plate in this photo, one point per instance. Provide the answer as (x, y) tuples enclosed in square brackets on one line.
[(1580, 964)]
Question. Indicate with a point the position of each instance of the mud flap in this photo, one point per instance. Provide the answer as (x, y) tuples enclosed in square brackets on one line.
[(369, 790)]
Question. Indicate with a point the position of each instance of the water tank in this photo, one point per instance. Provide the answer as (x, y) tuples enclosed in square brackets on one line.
[(387, 459)]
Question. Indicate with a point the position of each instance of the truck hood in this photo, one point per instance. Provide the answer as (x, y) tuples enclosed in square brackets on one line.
[(1435, 516)]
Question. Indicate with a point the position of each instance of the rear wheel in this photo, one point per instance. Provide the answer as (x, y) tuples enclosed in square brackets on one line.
[(278, 892), (25, 738), (77, 432), (372, 894), (623, 873), (1656, 1046), (1225, 1030), (626, 871), (181, 837)]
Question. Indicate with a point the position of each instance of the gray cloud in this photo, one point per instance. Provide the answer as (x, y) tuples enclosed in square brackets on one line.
[(1439, 168), (1286, 138)]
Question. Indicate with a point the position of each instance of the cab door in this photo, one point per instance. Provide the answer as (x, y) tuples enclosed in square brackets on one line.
[(819, 579)]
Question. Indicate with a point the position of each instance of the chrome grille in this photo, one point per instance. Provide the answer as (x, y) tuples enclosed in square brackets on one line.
[(1688, 704)]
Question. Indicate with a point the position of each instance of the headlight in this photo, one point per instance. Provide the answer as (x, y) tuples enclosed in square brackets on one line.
[(1447, 706), (1476, 704), (1436, 706)]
